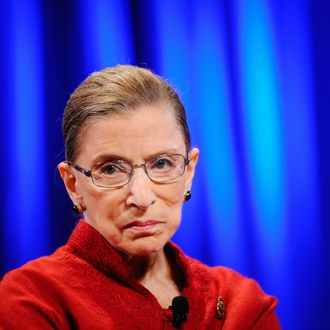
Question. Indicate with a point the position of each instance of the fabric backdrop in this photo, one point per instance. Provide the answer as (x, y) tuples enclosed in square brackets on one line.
[(253, 75)]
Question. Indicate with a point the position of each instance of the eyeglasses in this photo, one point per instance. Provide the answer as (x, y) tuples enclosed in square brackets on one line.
[(117, 173)]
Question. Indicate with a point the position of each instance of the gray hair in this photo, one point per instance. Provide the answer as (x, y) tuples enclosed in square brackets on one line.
[(113, 91)]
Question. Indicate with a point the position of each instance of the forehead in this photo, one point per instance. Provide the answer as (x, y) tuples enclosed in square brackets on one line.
[(134, 135)]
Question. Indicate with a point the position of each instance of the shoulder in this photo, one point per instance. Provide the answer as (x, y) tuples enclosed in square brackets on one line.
[(43, 266), (245, 303), (236, 287), (227, 281), (46, 275), (39, 277), (39, 294), (36, 289)]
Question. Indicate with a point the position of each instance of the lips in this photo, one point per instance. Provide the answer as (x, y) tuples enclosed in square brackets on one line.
[(142, 225)]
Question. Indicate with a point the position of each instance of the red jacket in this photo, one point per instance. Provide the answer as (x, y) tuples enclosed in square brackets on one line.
[(86, 284)]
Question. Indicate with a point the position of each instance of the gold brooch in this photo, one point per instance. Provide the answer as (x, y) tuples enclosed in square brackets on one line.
[(220, 308)]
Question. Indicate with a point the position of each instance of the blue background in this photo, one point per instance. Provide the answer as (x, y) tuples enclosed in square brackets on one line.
[(254, 76)]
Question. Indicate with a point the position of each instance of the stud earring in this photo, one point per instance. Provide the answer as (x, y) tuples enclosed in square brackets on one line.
[(77, 208), (187, 195)]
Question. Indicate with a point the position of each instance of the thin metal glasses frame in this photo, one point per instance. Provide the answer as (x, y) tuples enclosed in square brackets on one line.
[(88, 172)]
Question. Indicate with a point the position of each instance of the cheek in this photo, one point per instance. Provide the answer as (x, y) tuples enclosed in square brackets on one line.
[(101, 204), (172, 194), (172, 200), (109, 205), (105, 211)]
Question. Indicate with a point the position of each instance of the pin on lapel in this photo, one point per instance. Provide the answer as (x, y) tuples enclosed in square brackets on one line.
[(220, 308)]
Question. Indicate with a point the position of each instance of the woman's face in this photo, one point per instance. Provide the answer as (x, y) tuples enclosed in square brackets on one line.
[(141, 217)]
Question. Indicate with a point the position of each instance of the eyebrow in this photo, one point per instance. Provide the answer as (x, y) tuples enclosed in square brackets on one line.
[(108, 157), (111, 157)]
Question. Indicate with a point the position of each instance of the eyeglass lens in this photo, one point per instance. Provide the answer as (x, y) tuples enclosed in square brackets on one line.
[(162, 168)]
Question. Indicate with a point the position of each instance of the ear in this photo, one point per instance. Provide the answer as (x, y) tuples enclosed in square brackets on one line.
[(193, 159), (70, 181)]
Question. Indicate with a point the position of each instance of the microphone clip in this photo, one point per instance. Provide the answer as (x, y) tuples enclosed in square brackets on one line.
[(180, 308)]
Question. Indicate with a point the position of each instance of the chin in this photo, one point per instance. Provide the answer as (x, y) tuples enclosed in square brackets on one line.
[(146, 246)]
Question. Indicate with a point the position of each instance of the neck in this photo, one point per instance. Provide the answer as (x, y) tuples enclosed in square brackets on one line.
[(159, 275), (146, 267)]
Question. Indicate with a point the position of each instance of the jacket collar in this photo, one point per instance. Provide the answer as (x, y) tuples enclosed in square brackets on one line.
[(88, 244)]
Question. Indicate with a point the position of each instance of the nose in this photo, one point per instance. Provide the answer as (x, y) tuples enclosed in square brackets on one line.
[(140, 192)]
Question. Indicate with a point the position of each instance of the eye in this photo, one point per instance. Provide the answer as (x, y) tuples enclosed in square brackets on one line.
[(108, 169), (162, 163), (113, 168)]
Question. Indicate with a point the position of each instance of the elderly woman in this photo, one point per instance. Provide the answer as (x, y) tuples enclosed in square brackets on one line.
[(129, 168)]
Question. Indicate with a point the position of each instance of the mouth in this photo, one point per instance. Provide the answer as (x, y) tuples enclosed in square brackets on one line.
[(143, 226)]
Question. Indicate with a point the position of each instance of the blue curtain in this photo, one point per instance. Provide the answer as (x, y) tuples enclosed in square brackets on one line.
[(253, 75)]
